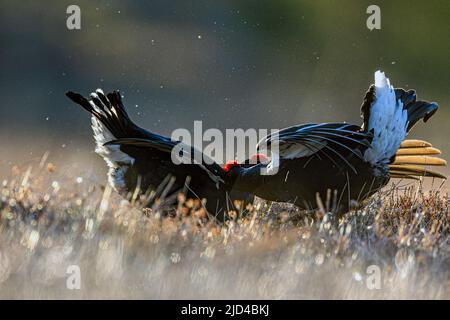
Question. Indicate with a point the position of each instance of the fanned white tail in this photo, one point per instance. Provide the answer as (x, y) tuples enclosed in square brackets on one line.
[(388, 120)]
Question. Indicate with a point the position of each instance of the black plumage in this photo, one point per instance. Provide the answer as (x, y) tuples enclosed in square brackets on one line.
[(309, 161), (321, 160), (145, 161)]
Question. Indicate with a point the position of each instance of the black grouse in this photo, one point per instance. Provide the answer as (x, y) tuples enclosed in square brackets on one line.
[(141, 159), (348, 162)]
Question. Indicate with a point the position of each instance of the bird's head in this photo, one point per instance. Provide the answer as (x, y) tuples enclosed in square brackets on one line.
[(232, 172), (235, 169), (230, 166)]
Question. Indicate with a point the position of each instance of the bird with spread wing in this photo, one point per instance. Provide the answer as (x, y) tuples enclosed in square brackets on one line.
[(352, 162)]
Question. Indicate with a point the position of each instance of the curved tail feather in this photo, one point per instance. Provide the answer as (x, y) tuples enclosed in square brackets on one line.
[(410, 170), (413, 158), (416, 109), (414, 144)]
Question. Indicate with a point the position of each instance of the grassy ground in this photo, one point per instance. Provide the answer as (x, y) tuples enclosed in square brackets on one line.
[(395, 246)]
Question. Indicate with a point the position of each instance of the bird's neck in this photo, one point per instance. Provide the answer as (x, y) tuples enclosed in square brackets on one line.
[(249, 179)]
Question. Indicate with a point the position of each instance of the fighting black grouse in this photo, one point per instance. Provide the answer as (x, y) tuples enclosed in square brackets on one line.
[(139, 159), (351, 162)]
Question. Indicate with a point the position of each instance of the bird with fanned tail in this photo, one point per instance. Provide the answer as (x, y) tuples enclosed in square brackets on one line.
[(351, 162)]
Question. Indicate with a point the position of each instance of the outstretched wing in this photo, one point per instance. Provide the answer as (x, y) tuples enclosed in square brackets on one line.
[(109, 110), (333, 140), (183, 153)]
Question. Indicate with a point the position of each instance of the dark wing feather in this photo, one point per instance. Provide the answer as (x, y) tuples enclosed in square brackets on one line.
[(338, 139), (110, 111), (215, 171)]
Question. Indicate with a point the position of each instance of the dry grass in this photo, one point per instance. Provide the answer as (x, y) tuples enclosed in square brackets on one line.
[(50, 220)]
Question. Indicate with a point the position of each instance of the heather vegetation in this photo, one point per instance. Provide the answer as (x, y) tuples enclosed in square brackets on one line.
[(51, 220)]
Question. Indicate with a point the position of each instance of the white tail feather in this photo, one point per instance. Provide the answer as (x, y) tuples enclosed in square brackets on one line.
[(388, 121), (117, 161)]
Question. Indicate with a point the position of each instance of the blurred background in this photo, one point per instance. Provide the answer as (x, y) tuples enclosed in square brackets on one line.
[(231, 64)]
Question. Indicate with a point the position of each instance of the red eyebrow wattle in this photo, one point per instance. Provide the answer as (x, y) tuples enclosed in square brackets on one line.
[(259, 157), (230, 165)]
